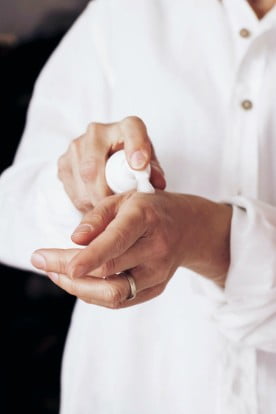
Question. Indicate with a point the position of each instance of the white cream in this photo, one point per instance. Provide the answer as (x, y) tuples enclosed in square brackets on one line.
[(120, 177)]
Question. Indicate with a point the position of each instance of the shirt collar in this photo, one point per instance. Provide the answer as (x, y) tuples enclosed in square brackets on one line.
[(241, 15)]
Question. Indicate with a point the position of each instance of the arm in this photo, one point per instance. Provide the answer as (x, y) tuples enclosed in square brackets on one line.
[(73, 88), (151, 234), (183, 231)]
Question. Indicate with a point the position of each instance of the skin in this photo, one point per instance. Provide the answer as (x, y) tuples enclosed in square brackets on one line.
[(150, 235), (81, 168), (261, 7)]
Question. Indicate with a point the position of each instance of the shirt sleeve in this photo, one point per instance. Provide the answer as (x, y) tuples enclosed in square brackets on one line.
[(69, 93), (246, 311)]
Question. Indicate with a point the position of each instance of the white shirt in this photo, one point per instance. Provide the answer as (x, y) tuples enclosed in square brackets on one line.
[(186, 70)]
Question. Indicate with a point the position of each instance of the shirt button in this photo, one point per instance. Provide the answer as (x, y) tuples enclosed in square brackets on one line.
[(247, 105), (245, 33)]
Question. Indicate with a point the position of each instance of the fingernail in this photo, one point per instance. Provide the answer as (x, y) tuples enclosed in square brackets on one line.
[(138, 159), (38, 261), (83, 228), (53, 276)]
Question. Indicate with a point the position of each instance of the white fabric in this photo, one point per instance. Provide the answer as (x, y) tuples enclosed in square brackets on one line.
[(183, 67)]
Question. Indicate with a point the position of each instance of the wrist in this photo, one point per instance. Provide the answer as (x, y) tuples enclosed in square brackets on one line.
[(207, 238)]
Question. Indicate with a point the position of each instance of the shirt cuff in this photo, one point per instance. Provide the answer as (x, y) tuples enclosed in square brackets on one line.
[(246, 311)]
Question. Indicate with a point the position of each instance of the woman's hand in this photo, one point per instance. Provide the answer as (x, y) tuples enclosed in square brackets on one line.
[(148, 235), (82, 168)]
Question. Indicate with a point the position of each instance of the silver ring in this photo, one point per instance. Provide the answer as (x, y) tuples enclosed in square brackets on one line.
[(132, 285)]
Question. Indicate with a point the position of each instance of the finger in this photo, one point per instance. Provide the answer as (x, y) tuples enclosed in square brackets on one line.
[(74, 188), (145, 276), (125, 229), (53, 260), (81, 197), (95, 221), (135, 256), (110, 293), (137, 144), (144, 296), (136, 259), (57, 260), (68, 173), (94, 153)]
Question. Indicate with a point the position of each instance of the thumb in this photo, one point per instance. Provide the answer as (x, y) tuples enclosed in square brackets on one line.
[(137, 144), (157, 177)]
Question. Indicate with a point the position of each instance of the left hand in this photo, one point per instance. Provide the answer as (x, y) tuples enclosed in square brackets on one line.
[(82, 167), (150, 235)]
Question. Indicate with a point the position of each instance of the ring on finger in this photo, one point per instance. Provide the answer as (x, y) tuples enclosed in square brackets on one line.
[(132, 285)]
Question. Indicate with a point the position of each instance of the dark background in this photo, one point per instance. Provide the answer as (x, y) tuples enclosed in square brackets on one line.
[(36, 314)]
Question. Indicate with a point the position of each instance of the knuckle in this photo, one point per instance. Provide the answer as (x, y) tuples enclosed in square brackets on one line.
[(107, 269), (137, 205), (150, 213), (133, 120), (113, 297), (86, 205), (162, 246), (120, 240), (61, 264), (97, 220), (82, 204), (93, 128), (137, 201), (73, 144)]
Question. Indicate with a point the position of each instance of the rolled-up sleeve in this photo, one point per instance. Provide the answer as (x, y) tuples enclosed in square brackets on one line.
[(247, 311)]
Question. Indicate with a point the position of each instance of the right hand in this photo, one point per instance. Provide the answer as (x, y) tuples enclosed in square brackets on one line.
[(82, 168)]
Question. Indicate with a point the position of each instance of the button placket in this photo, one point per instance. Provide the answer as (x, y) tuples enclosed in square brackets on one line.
[(242, 170), (244, 26), (249, 83)]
